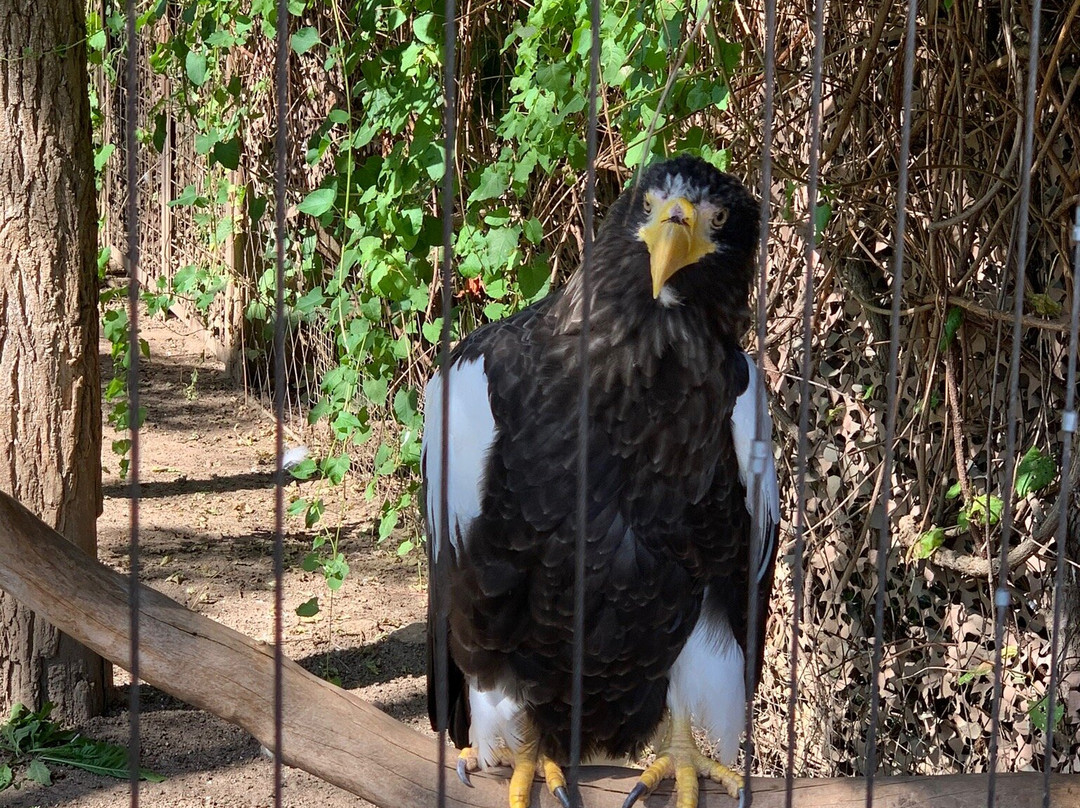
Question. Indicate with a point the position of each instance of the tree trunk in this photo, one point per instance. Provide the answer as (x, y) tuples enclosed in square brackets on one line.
[(50, 429)]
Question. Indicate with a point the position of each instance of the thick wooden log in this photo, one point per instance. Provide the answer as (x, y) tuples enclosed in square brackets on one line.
[(343, 739)]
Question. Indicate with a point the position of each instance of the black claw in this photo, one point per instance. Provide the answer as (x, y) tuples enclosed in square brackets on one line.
[(562, 795), (634, 795), (463, 772)]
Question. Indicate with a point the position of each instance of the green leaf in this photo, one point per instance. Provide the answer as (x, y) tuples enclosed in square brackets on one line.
[(822, 215), (493, 183), (954, 491), (335, 467), (1037, 712), (985, 509), (982, 669), (928, 542), (376, 390), (195, 67), (7, 777), (318, 202), (1035, 471), (426, 29), (405, 548), (227, 153), (303, 470), (309, 608), (387, 523), (534, 231), (102, 155), (39, 772), (304, 40), (953, 320), (533, 279)]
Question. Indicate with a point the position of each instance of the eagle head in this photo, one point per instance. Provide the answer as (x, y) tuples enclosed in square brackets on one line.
[(699, 227)]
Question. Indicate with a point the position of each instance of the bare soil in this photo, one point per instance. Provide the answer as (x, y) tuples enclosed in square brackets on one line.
[(206, 540)]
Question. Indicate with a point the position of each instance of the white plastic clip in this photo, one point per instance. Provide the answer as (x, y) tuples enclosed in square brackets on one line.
[(759, 450), (1002, 598), (1068, 421)]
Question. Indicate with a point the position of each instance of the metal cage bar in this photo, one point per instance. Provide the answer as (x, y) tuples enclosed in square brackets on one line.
[(131, 100), (281, 146), (437, 574), (891, 403), (1001, 595)]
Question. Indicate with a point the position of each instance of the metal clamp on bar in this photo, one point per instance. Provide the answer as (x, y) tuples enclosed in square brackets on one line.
[(759, 450), (1068, 421), (1002, 598), (1076, 227)]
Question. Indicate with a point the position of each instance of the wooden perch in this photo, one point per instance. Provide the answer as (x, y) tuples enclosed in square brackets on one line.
[(343, 739)]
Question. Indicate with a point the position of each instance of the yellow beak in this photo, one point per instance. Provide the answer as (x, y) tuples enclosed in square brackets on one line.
[(675, 239)]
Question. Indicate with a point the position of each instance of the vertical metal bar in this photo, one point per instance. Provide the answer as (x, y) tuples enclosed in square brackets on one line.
[(578, 652), (134, 491), (762, 438), (437, 575), (809, 255), (1001, 595), (1068, 430), (884, 538), (281, 146)]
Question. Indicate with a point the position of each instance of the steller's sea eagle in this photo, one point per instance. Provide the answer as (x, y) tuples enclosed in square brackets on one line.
[(672, 409)]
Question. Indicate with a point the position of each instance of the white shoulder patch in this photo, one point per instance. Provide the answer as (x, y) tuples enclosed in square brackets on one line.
[(766, 511), (707, 684), (472, 433)]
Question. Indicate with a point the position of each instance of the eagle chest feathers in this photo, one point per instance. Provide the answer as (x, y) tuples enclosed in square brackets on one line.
[(672, 412)]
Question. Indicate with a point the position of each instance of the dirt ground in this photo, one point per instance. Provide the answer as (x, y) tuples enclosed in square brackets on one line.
[(207, 519)]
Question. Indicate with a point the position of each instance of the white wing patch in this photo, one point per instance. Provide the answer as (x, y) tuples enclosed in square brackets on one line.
[(495, 722), (766, 511), (472, 433), (707, 683)]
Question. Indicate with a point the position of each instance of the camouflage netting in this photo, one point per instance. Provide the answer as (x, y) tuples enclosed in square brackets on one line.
[(955, 343)]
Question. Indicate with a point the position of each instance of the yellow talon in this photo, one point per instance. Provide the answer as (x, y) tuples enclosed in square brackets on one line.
[(679, 757)]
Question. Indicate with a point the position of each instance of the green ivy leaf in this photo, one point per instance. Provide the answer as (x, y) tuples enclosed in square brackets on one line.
[(928, 542), (318, 202), (309, 608), (227, 153), (1035, 471), (102, 155), (1037, 711), (335, 467), (985, 509), (954, 491), (304, 40), (303, 470), (494, 181), (426, 29), (822, 215), (195, 67)]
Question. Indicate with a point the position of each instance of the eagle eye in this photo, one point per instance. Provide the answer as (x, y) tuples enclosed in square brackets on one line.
[(646, 204), (719, 218)]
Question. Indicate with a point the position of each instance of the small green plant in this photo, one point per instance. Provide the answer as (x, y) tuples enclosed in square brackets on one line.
[(31, 740), (1034, 472), (1038, 710)]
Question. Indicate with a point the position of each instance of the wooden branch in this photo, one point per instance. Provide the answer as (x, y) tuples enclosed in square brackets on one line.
[(343, 739)]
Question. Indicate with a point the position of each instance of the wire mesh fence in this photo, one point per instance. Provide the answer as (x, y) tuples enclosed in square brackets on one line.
[(919, 234)]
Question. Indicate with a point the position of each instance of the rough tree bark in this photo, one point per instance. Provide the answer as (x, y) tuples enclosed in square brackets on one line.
[(50, 429)]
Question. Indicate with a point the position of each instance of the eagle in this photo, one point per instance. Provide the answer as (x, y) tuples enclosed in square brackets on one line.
[(671, 506)]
